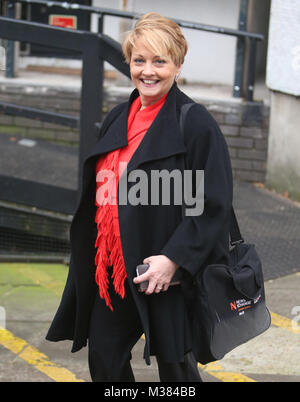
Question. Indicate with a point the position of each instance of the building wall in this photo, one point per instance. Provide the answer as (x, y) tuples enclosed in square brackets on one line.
[(211, 57), (244, 125), (283, 78), (284, 144)]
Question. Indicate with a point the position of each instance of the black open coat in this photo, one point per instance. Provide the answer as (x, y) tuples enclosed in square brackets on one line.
[(148, 230)]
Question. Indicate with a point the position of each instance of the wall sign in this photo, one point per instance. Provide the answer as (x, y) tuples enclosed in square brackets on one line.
[(64, 21)]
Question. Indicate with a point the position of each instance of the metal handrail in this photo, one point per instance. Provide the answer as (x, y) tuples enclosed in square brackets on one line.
[(93, 47), (132, 15), (241, 35)]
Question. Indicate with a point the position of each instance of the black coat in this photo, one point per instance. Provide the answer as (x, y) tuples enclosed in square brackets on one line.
[(151, 229)]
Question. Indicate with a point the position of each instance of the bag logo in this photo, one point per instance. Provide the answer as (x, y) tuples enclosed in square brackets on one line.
[(240, 305)]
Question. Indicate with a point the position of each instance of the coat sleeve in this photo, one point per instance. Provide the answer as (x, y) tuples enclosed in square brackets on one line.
[(196, 236), (62, 326)]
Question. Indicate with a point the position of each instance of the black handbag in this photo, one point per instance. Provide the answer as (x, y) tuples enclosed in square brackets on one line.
[(230, 307), (229, 304)]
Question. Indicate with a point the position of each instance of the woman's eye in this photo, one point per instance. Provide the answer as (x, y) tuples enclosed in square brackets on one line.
[(160, 61), (138, 61)]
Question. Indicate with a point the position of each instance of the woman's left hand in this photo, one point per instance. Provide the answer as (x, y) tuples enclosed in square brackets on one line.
[(159, 274)]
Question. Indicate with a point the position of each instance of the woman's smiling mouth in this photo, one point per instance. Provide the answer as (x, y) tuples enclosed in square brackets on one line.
[(149, 82)]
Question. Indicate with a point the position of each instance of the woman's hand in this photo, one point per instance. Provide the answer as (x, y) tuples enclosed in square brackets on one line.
[(159, 274)]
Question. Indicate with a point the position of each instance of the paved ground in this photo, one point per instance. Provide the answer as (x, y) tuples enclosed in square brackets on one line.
[(30, 293), (270, 221), (38, 160)]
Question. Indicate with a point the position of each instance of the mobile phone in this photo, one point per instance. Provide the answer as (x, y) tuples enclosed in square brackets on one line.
[(142, 268)]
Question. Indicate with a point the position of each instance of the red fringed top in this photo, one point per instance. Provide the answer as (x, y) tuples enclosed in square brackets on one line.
[(108, 242)]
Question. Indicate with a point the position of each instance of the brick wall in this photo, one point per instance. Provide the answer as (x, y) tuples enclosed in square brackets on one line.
[(245, 125), (45, 98)]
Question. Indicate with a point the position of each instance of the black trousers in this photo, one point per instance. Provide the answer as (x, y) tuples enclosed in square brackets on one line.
[(111, 338)]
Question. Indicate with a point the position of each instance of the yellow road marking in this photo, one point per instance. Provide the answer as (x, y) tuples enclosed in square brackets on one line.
[(34, 357), (42, 363), (216, 370), (283, 322)]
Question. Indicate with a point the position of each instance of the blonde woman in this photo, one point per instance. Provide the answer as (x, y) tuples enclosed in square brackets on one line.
[(101, 304)]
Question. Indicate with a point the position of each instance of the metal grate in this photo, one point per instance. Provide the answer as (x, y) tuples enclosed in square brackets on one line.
[(31, 233), (17, 242)]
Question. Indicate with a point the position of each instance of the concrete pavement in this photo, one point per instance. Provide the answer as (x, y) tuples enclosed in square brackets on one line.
[(266, 219), (25, 355), (30, 294)]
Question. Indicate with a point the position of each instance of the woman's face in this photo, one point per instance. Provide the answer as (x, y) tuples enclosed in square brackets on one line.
[(152, 75)]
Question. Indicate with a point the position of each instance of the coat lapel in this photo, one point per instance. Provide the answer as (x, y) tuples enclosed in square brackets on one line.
[(115, 138), (162, 139)]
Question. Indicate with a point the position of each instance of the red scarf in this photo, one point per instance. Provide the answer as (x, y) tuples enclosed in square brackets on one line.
[(108, 242)]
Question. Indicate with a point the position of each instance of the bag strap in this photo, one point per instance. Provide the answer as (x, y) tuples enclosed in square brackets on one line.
[(235, 234)]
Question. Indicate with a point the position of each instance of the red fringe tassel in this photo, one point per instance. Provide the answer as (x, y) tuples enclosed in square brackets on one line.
[(108, 242)]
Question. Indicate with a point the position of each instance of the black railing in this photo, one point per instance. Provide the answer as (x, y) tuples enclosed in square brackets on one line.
[(92, 47), (243, 38)]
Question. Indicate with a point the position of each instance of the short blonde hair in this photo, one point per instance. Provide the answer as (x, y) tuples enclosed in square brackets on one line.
[(160, 35)]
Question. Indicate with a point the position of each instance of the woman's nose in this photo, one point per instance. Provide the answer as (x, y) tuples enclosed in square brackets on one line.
[(148, 68)]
